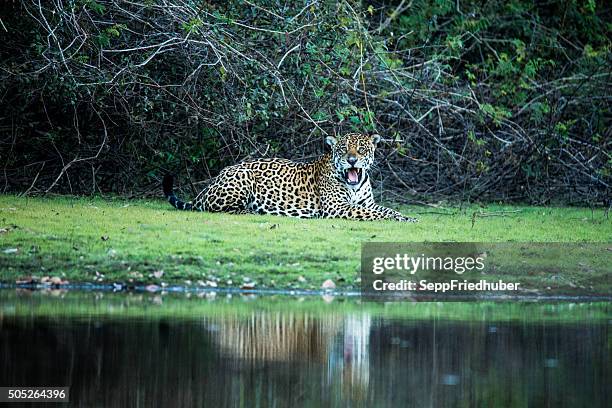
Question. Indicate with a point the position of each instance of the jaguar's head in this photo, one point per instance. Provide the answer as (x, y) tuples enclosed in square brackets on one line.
[(352, 156)]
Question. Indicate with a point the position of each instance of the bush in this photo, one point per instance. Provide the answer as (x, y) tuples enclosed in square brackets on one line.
[(475, 101)]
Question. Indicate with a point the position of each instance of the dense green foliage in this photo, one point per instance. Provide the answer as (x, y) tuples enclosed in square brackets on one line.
[(475, 100)]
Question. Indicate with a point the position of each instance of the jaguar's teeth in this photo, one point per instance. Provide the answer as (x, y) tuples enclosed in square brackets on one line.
[(353, 175)]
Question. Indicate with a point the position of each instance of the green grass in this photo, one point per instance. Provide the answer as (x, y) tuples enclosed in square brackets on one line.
[(115, 240)]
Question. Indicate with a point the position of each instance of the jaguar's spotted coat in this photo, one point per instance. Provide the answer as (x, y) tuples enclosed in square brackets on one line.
[(335, 185)]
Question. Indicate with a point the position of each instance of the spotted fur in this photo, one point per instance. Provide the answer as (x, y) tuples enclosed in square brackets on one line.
[(336, 185)]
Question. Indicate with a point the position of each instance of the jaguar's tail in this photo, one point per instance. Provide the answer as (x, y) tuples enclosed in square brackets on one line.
[(169, 193)]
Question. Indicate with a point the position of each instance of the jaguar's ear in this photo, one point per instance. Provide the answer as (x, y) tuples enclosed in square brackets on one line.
[(330, 140), (375, 139)]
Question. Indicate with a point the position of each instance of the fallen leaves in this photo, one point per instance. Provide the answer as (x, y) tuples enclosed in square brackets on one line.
[(268, 225), (27, 280), (328, 284), (54, 280), (45, 280), (248, 285)]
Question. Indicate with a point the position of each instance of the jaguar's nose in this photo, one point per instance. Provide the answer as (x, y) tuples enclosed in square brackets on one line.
[(351, 160)]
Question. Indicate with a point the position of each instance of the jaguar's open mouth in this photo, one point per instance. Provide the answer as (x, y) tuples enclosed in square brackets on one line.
[(353, 175)]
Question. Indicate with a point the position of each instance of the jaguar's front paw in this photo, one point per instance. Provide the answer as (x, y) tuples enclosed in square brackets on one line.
[(401, 218)]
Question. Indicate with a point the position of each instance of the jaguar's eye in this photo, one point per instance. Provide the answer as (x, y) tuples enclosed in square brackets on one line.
[(361, 151)]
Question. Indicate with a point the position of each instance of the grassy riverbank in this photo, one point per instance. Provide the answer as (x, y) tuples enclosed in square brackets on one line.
[(115, 240)]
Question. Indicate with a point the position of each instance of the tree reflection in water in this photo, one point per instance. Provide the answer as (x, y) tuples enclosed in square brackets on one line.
[(293, 358)]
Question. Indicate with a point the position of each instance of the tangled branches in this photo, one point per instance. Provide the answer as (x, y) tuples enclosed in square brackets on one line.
[(108, 95)]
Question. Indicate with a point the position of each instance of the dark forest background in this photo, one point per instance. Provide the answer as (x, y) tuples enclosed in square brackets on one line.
[(475, 100)]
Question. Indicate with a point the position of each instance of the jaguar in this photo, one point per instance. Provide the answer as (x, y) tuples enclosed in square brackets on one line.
[(335, 185)]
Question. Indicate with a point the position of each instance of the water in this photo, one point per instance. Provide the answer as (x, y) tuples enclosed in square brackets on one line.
[(153, 350)]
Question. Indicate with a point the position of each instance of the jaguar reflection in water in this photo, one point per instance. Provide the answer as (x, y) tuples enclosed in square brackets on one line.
[(230, 352)]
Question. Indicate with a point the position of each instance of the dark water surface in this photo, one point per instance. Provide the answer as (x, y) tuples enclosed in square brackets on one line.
[(130, 350)]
